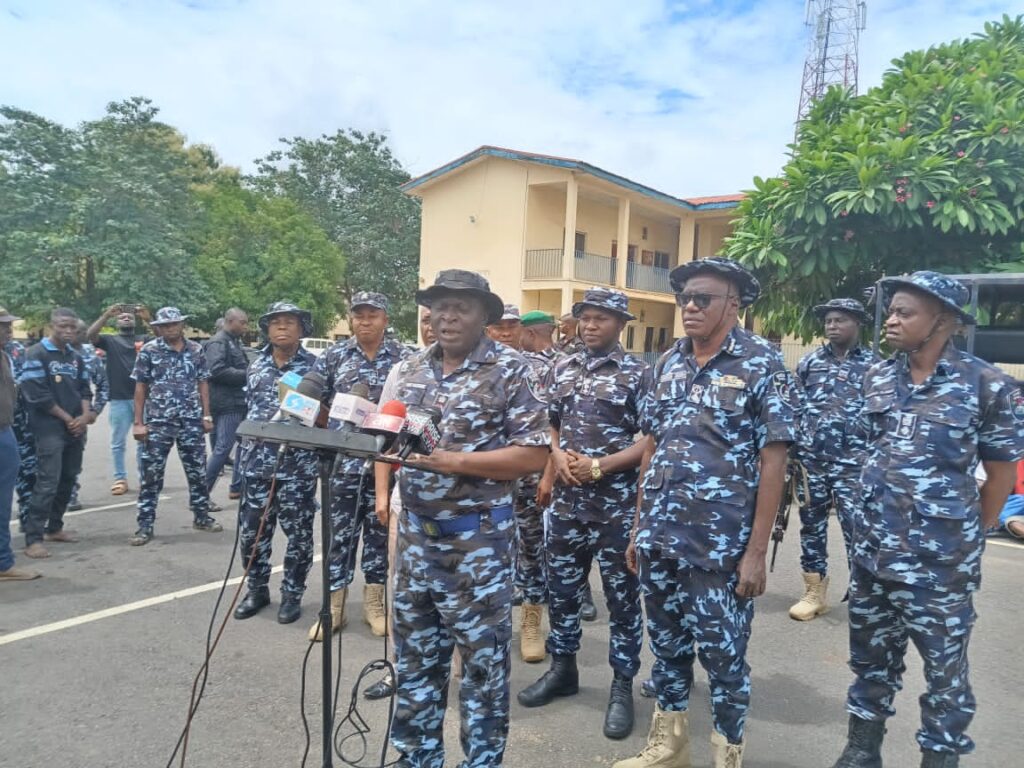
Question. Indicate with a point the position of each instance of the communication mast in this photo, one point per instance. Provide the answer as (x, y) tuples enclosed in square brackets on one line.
[(835, 27)]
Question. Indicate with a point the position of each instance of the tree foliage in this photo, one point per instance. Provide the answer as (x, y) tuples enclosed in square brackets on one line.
[(349, 183), (252, 250), (925, 171)]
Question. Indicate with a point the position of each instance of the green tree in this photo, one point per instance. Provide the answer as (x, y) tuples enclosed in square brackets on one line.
[(253, 250), (349, 183), (925, 171), (97, 214)]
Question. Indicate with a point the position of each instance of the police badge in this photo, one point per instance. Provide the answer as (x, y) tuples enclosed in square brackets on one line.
[(1017, 405)]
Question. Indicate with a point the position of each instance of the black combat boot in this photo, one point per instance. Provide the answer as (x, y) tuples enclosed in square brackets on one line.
[(588, 611), (863, 745), (930, 759), (254, 601), (290, 610), (563, 679), (618, 720)]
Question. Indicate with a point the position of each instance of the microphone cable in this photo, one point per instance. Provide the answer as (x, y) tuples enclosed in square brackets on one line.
[(199, 681)]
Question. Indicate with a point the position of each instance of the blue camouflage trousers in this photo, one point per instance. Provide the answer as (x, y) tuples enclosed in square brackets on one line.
[(348, 521), (572, 545), (530, 561), (884, 615), (191, 442), (830, 485), (695, 613), (294, 505), (27, 455), (452, 593)]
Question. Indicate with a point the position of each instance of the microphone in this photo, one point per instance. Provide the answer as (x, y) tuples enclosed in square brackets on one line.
[(351, 408), (386, 424), (288, 383), (421, 433), (301, 407), (312, 386)]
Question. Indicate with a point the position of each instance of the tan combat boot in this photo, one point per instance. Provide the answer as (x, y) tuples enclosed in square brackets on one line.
[(373, 609), (531, 640), (338, 619), (812, 604), (668, 743), (724, 754)]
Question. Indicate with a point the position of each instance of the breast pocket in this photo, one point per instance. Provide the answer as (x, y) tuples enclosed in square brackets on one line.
[(475, 420), (732, 400)]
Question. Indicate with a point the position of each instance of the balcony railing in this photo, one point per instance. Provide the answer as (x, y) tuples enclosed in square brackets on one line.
[(644, 278), (592, 268), (544, 264)]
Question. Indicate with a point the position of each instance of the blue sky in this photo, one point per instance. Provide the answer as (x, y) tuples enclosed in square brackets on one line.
[(690, 96)]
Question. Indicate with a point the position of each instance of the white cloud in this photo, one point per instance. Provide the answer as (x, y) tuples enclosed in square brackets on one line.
[(573, 78)]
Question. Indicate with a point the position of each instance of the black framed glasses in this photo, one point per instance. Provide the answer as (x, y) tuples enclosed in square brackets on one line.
[(700, 300)]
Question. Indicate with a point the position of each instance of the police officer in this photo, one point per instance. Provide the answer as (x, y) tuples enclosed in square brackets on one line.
[(172, 406), (293, 477), (594, 411), (366, 358), (931, 414), (22, 430), (100, 390), (569, 341), (531, 503), (832, 380), (719, 423), (508, 328), (453, 574)]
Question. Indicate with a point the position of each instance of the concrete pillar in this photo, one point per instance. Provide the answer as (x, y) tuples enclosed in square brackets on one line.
[(687, 235), (623, 243), (566, 300), (569, 244)]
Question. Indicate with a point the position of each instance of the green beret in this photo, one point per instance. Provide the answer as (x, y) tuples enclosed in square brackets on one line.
[(536, 317)]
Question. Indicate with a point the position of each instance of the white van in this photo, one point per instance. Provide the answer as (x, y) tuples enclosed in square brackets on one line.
[(316, 346)]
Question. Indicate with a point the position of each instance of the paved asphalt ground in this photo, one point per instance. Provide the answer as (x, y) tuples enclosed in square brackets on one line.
[(91, 691)]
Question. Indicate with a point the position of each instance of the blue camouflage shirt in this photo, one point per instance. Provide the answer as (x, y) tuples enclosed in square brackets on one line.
[(345, 364), (488, 402), (261, 397), (595, 406), (97, 375), (709, 424), (543, 365), (173, 378), (833, 394), (920, 521)]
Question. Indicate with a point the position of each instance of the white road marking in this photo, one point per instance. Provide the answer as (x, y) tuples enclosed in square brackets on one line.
[(120, 505), (1010, 544), (118, 610)]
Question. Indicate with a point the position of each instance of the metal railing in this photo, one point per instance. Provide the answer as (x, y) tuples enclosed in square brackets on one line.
[(592, 268), (543, 264), (645, 278)]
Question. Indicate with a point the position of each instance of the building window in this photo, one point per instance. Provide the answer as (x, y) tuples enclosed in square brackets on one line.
[(581, 242), (631, 253), (647, 258), (630, 336)]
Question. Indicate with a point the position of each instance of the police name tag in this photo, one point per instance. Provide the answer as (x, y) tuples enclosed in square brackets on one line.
[(731, 382), (906, 425)]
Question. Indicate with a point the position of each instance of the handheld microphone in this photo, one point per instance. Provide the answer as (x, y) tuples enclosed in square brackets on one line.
[(312, 386), (351, 408), (289, 382), (386, 424), (301, 407), (421, 433)]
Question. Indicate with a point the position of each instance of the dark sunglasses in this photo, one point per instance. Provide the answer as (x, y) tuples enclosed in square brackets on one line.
[(700, 300)]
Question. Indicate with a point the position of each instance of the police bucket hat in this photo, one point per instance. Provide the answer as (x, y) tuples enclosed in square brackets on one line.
[(510, 312), (950, 292), (747, 285), (7, 317), (449, 281), (287, 308), (168, 315), (608, 299), (369, 299), (851, 307)]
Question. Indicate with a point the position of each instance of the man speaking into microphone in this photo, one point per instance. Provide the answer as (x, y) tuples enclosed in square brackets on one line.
[(453, 585)]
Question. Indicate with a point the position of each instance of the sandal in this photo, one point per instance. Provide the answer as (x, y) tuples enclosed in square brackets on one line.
[(119, 488)]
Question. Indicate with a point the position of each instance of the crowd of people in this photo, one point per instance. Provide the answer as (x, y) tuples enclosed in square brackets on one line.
[(558, 449)]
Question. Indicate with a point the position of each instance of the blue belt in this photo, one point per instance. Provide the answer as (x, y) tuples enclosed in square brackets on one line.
[(437, 529)]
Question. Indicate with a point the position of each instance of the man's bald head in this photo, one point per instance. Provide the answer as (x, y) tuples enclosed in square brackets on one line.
[(236, 321)]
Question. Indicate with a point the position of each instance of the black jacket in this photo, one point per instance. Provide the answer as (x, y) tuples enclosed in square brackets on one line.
[(228, 364)]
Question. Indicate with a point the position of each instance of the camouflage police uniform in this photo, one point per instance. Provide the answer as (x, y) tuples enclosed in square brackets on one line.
[(917, 537), (173, 415), (97, 370), (23, 436), (293, 477), (831, 447), (709, 424), (453, 570), (595, 401), (341, 367)]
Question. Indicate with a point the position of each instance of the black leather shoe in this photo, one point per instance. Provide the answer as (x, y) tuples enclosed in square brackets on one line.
[(930, 759), (382, 689), (254, 601), (618, 720), (863, 745), (563, 679), (588, 611), (290, 610)]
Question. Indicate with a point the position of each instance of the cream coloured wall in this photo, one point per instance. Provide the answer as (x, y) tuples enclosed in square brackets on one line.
[(712, 233), (545, 216), (660, 236), (599, 222)]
